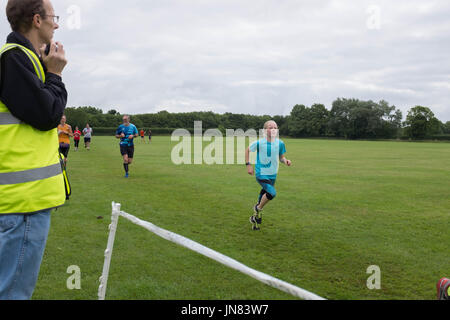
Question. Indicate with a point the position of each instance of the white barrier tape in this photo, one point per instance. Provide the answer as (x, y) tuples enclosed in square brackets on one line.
[(192, 245), (108, 252)]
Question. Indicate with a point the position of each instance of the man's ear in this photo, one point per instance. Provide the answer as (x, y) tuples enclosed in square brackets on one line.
[(37, 20)]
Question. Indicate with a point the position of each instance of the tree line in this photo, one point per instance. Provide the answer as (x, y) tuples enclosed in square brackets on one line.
[(347, 118)]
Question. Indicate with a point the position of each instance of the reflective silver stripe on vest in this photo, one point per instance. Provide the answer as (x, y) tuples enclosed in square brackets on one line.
[(7, 118), (7, 47), (36, 65), (30, 175), (33, 60)]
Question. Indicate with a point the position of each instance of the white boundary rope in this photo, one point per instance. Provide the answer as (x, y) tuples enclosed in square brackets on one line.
[(194, 246)]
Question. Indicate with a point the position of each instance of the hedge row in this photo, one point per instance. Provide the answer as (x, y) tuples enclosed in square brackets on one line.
[(437, 137), (110, 131), (441, 137)]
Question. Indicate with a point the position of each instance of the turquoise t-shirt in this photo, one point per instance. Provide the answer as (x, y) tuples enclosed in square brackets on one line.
[(128, 131), (267, 157)]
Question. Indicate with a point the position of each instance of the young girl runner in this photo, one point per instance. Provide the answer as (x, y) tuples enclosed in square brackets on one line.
[(270, 151)]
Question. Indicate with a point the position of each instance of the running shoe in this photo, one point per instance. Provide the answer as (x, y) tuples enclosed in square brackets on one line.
[(443, 289), (252, 220), (258, 214)]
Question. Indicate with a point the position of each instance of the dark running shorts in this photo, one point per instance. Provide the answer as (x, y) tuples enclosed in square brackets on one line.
[(87, 140), (268, 185), (64, 149), (127, 150)]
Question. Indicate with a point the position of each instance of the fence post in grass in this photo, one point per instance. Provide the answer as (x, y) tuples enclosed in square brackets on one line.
[(108, 251)]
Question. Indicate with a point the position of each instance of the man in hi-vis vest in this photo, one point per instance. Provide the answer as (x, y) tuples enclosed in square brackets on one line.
[(32, 101)]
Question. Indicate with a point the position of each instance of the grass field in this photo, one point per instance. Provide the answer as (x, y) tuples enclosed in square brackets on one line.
[(342, 207)]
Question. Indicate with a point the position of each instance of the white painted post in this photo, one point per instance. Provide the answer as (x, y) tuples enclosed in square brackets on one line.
[(108, 252)]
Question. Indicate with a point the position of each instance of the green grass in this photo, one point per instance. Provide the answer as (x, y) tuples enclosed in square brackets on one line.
[(341, 207)]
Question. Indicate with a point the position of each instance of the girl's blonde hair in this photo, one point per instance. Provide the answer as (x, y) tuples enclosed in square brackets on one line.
[(268, 122)]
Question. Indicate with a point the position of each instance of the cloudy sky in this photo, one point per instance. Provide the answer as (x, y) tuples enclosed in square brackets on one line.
[(254, 56)]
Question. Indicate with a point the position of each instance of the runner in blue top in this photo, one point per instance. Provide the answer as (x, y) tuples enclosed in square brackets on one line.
[(269, 152), (126, 133)]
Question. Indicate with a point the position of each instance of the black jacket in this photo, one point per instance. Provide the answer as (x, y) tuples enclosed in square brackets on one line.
[(38, 104)]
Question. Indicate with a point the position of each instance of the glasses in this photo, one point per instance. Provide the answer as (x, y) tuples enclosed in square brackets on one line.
[(55, 18)]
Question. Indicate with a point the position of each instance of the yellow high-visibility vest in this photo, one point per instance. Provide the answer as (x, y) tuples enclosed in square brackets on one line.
[(31, 178)]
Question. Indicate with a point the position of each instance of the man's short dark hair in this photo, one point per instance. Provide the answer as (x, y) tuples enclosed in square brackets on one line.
[(20, 13)]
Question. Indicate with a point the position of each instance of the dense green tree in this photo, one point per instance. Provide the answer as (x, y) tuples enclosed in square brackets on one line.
[(355, 119), (91, 110), (339, 122), (76, 117), (391, 121), (298, 121), (318, 120), (421, 123), (446, 127)]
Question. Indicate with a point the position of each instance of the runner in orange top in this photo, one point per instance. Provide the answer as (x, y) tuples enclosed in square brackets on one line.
[(64, 134), (142, 133)]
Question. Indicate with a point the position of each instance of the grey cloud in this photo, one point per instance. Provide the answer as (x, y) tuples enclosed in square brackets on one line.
[(259, 57)]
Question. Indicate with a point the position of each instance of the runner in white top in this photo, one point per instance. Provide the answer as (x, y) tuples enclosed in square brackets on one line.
[(87, 132)]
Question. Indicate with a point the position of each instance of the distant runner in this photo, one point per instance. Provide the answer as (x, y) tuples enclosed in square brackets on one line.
[(126, 133), (64, 134), (87, 132), (76, 137)]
